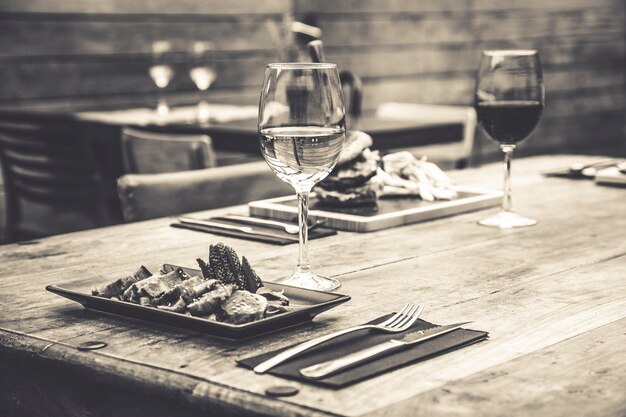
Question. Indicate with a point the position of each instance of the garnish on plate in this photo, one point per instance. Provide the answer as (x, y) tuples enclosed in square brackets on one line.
[(361, 177), (404, 175), (229, 290)]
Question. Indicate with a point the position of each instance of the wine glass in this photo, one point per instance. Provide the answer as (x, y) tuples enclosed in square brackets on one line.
[(161, 73), (202, 76), (509, 100), (302, 130)]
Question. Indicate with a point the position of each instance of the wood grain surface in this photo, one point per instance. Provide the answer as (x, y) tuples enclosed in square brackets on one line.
[(551, 297), (424, 51)]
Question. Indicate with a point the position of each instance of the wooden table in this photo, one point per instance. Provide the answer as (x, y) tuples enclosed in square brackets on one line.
[(552, 297), (239, 132)]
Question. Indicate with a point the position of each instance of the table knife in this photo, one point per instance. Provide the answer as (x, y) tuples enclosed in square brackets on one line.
[(324, 369), (286, 227), (242, 229)]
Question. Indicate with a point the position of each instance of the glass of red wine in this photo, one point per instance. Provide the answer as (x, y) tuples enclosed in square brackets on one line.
[(509, 99)]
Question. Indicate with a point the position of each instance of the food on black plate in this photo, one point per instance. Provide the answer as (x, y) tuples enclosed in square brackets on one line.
[(183, 290), (212, 300), (244, 306), (349, 183), (229, 290), (118, 286), (154, 286)]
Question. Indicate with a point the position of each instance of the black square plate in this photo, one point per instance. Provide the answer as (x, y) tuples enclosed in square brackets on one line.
[(307, 303)]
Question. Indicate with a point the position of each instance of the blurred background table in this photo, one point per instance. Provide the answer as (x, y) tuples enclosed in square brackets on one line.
[(234, 128), (123, 141), (552, 297)]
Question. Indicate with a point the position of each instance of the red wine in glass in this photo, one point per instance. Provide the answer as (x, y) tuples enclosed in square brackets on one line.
[(509, 122), (509, 103)]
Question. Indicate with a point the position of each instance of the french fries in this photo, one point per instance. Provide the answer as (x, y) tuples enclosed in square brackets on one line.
[(403, 174)]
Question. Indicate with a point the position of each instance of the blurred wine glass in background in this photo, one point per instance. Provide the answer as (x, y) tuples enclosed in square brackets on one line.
[(161, 73), (202, 75)]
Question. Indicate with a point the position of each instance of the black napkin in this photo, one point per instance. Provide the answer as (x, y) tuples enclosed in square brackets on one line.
[(356, 341), (274, 236)]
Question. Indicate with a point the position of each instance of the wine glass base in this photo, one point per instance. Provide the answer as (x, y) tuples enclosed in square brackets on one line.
[(507, 220), (310, 281)]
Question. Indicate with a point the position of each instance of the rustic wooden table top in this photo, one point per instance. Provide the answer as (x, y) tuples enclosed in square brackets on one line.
[(552, 297)]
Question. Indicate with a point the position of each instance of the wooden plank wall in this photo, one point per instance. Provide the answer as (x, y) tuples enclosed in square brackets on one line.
[(427, 51), (94, 54), (75, 53)]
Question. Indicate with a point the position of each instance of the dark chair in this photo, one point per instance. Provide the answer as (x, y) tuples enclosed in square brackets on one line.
[(150, 152), (52, 181), (145, 196)]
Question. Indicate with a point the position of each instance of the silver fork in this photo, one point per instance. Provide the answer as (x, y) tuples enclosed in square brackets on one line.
[(397, 323)]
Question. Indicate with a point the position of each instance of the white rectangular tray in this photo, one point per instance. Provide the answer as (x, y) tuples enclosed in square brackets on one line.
[(391, 211)]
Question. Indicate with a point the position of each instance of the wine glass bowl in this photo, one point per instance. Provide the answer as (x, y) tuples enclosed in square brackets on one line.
[(302, 157), (202, 75), (161, 73), (302, 130), (509, 100)]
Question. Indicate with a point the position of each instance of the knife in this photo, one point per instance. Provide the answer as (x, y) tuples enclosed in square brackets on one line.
[(292, 229), (324, 369), (242, 229), (581, 171)]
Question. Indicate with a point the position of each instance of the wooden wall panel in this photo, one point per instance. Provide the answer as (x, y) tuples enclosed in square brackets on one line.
[(163, 7), (113, 76), (428, 52), (76, 54), (84, 54), (39, 39)]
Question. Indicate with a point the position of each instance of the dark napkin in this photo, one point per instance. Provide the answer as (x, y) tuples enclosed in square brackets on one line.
[(274, 236), (356, 341)]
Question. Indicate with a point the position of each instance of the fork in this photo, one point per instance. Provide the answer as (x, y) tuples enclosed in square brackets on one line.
[(292, 229), (397, 323), (590, 169)]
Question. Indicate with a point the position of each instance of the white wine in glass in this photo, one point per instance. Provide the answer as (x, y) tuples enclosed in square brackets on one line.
[(302, 131)]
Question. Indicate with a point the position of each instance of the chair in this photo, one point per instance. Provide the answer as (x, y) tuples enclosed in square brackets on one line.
[(145, 196), (52, 181), (151, 152), (448, 155)]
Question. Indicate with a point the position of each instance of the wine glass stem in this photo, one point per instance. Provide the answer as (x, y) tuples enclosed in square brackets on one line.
[(303, 235), (507, 203)]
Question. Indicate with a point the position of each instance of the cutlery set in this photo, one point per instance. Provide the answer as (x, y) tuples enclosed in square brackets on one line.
[(589, 170), (399, 322), (251, 225)]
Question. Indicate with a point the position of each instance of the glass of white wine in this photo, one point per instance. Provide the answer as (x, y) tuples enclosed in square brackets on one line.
[(161, 73), (202, 75), (302, 131)]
